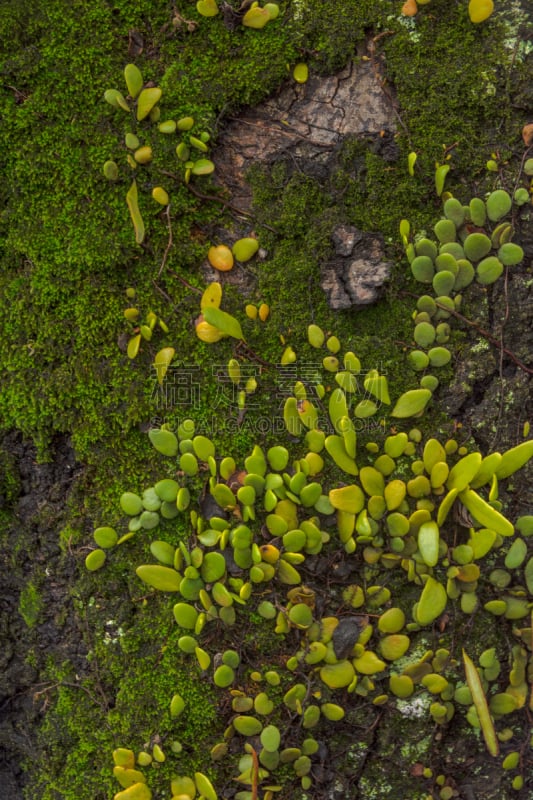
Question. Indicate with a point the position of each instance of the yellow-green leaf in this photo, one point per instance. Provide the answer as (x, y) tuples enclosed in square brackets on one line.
[(440, 176), (207, 8), (162, 361), (133, 345), (347, 498), (485, 514), (428, 542), (300, 73), (515, 458), (256, 18), (212, 297), (411, 403), (463, 472), (480, 702), (204, 786), (132, 199), (480, 10), (147, 100), (116, 99), (223, 321), (134, 79), (432, 602), (165, 579), (377, 385), (445, 506)]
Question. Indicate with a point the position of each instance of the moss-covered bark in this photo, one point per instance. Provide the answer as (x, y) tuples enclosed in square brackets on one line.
[(97, 660)]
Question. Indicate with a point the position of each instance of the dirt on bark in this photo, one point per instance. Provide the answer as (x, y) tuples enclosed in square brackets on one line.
[(36, 619)]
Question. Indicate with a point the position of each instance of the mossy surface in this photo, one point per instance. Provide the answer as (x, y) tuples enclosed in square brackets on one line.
[(67, 255)]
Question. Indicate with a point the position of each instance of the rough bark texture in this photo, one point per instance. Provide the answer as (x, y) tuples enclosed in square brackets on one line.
[(305, 121)]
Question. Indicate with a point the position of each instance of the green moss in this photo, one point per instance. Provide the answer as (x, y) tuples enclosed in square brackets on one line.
[(330, 33), (67, 254), (75, 746), (470, 84), (30, 604)]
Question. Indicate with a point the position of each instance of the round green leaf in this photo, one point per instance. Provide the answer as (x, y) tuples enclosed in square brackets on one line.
[(213, 567), (244, 249), (167, 490), (131, 504), (270, 738), (223, 676), (301, 73), (95, 560), (247, 726), (105, 537), (498, 204)]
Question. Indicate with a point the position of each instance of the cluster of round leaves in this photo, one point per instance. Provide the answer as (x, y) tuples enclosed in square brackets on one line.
[(223, 258), (473, 243), (278, 745), (357, 395), (478, 10), (213, 323), (142, 104), (255, 16), (394, 521), (134, 784), (141, 329)]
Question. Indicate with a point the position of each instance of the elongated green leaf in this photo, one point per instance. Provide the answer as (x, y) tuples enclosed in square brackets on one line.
[(132, 199), (485, 514), (514, 459), (134, 79), (292, 419), (528, 574), (204, 786), (147, 100), (445, 506), (488, 467), (165, 579), (411, 403), (428, 542), (440, 177), (224, 322), (337, 408), (463, 472), (337, 450), (162, 361), (133, 345), (482, 708)]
